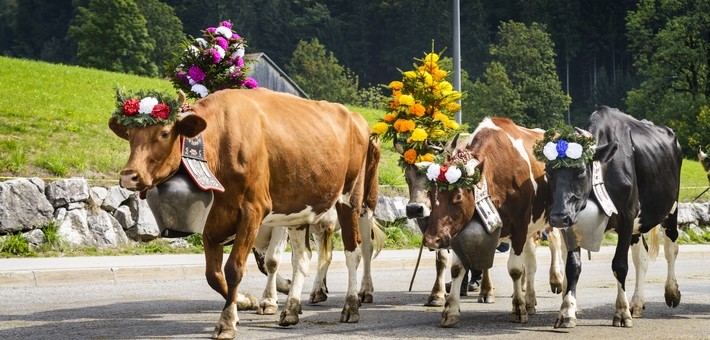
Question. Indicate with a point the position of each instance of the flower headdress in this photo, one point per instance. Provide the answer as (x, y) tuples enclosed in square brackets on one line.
[(145, 108), (564, 148), (420, 111), (211, 63), (457, 172)]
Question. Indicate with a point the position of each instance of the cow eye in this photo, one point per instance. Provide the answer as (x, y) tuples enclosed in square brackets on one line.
[(458, 197), (164, 134)]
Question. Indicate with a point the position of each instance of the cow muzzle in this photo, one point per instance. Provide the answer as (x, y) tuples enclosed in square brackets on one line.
[(131, 180), (560, 220), (436, 242), (417, 210)]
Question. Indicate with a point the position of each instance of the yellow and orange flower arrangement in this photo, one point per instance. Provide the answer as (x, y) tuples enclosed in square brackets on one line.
[(420, 111)]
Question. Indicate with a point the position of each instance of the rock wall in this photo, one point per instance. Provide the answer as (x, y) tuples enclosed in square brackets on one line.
[(113, 217)]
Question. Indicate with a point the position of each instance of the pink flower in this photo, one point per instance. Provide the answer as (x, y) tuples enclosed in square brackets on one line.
[(211, 29), (226, 24), (130, 107), (196, 73), (240, 62), (160, 111), (223, 43), (216, 58), (250, 83)]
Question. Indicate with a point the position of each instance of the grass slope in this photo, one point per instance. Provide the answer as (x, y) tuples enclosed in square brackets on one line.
[(53, 123)]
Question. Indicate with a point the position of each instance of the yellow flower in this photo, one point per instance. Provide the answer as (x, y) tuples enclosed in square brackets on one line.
[(410, 156), (380, 128), (437, 133), (441, 117), (451, 125), (406, 99), (396, 85), (419, 135), (417, 110), (440, 74), (410, 74), (403, 125), (426, 158), (432, 57), (428, 79), (445, 86), (389, 118), (453, 106)]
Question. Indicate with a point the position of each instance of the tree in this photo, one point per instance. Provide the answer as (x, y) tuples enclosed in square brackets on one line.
[(671, 45), (317, 71), (524, 56), (164, 27), (494, 95), (112, 35), (40, 30)]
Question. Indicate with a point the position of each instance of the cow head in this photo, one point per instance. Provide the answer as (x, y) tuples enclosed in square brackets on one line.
[(155, 150), (452, 207), (572, 186), (705, 161)]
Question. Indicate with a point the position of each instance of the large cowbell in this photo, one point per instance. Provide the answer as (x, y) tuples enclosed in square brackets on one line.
[(180, 207), (475, 246)]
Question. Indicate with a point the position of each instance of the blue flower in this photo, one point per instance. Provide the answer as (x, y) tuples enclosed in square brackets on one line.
[(561, 148)]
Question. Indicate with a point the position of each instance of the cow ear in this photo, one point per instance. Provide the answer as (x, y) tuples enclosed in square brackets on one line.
[(605, 152), (118, 128), (190, 125)]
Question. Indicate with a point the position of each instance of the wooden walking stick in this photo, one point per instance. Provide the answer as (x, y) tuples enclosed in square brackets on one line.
[(416, 266)]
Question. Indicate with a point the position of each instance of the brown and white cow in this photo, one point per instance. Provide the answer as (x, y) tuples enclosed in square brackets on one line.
[(518, 190), (283, 161)]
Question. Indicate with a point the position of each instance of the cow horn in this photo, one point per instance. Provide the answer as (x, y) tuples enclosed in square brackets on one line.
[(583, 132), (701, 154)]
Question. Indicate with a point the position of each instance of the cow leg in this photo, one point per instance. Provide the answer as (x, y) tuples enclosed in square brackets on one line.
[(486, 294), (234, 269), (670, 249), (437, 297), (516, 270), (620, 267), (323, 237), (300, 258), (554, 241), (272, 258), (639, 254), (567, 317), (366, 286), (451, 315), (530, 270), (348, 216)]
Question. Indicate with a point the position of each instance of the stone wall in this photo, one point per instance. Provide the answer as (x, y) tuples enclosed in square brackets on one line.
[(114, 217)]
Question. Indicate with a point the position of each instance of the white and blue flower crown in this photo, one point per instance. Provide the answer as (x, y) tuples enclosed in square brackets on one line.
[(564, 148)]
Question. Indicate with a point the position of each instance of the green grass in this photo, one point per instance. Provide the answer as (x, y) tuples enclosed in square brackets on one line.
[(693, 182)]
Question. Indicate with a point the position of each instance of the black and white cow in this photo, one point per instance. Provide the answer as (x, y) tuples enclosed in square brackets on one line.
[(640, 170)]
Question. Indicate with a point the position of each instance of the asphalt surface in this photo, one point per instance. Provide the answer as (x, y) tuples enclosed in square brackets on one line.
[(27, 272)]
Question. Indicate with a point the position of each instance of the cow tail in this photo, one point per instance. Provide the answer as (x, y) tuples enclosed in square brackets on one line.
[(654, 241), (372, 192), (325, 247)]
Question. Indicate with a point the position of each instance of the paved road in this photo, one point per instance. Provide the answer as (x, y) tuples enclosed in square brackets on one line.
[(136, 305)]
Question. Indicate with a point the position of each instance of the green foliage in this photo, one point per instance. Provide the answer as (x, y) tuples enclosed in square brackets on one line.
[(494, 95), (317, 72), (15, 245), (112, 35), (526, 54), (195, 240), (670, 41), (163, 27), (399, 236), (16, 157), (52, 240)]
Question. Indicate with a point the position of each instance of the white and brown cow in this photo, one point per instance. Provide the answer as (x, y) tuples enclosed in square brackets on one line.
[(639, 165), (283, 161), (518, 190)]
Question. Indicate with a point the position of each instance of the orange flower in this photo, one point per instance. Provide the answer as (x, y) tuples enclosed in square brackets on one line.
[(417, 110), (397, 93), (410, 156), (403, 125), (453, 106), (394, 104), (396, 85), (389, 118)]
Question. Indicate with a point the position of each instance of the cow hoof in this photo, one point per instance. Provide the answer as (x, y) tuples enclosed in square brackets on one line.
[(248, 303), (449, 320), (289, 316), (626, 322), (267, 308), (637, 312), (318, 296), (351, 312), (672, 298), (531, 310), (221, 332), (565, 322), (283, 287), (486, 299), (519, 316), (365, 297), (556, 287), (435, 301)]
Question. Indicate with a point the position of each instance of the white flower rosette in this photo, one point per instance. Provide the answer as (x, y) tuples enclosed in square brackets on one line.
[(574, 150), (147, 104), (200, 90), (224, 31), (550, 151), (433, 171), (453, 174)]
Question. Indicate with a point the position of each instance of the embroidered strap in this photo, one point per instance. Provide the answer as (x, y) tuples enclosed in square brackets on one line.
[(193, 158), (600, 190)]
